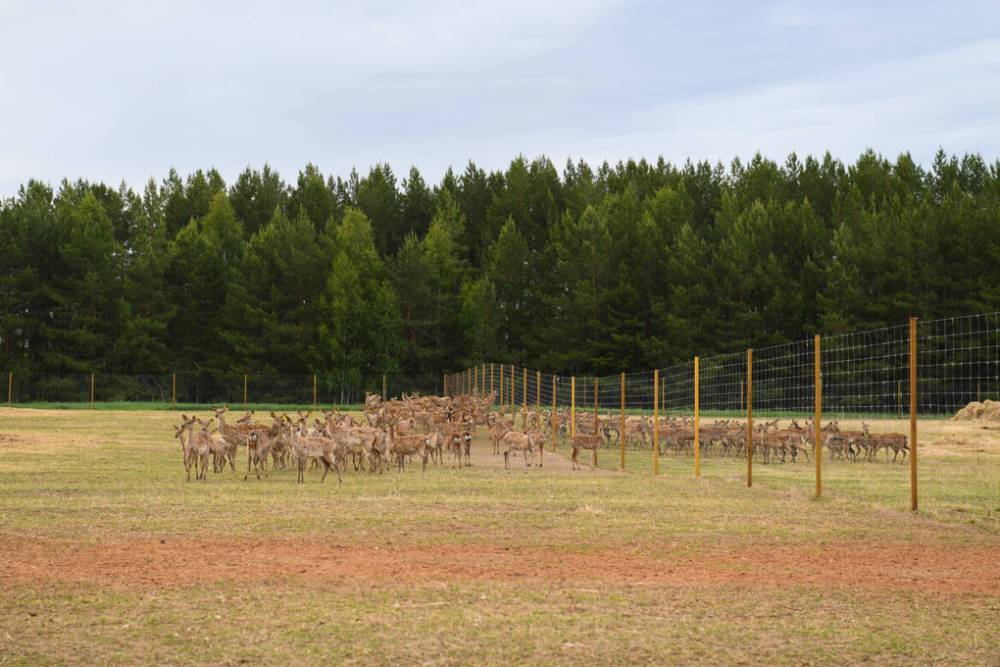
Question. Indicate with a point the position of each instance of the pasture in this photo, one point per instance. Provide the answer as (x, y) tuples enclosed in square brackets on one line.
[(108, 556)]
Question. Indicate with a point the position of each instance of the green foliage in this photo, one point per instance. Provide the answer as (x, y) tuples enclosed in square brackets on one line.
[(597, 269)]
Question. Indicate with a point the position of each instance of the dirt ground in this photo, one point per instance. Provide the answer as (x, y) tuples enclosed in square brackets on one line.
[(181, 561)]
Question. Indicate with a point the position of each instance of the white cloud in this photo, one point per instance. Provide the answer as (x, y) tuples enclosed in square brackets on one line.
[(111, 90)]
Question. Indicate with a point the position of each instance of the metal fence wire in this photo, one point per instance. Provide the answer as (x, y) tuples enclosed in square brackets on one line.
[(208, 388), (864, 373)]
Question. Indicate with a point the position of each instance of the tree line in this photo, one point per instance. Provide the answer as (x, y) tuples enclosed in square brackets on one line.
[(587, 270)]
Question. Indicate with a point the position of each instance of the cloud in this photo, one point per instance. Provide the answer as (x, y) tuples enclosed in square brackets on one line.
[(113, 90)]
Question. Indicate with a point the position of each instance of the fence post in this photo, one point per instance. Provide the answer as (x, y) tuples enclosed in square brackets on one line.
[(491, 384), (621, 437), (500, 400), (818, 416), (10, 388), (913, 414), (697, 421), (314, 389), (245, 382), (385, 386), (482, 381), (555, 414), (656, 422), (513, 389), (597, 424), (524, 393), (749, 418), (173, 389), (538, 392), (91, 388), (572, 407)]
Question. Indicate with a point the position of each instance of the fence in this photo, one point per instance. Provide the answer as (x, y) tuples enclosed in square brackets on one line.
[(929, 369), (205, 388)]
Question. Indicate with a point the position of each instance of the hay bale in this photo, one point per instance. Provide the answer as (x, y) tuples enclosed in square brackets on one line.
[(975, 411), (970, 411)]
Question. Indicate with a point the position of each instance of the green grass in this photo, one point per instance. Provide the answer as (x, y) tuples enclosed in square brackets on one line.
[(105, 476)]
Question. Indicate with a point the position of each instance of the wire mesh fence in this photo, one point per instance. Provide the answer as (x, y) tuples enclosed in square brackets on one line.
[(209, 388)]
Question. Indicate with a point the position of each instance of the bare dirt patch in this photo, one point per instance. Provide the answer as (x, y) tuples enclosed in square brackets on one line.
[(945, 570)]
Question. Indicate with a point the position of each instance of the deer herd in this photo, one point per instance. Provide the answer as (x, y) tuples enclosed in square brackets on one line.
[(432, 429)]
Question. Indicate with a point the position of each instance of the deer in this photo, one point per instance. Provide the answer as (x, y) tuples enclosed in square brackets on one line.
[(307, 447), (580, 442), (406, 445), (518, 441), (197, 446)]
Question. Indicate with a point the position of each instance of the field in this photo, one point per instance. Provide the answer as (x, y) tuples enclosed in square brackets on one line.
[(108, 556)]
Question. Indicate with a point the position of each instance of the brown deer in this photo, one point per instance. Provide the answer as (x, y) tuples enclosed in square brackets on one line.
[(581, 442)]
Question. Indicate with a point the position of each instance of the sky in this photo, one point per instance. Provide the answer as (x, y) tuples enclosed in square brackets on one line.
[(122, 91)]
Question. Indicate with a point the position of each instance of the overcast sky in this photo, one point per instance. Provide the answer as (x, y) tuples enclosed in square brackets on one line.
[(113, 90)]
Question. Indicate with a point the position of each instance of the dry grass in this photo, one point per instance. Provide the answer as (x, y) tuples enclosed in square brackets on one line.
[(734, 575)]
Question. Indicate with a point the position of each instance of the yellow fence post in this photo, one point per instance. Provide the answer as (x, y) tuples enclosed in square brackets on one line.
[(173, 389), (596, 421), (749, 418), (697, 420), (555, 414), (913, 414), (91, 388), (538, 392), (572, 407), (245, 382), (818, 416), (491, 385), (524, 392), (385, 387), (10, 388), (482, 380), (500, 401), (656, 422), (621, 438), (513, 389)]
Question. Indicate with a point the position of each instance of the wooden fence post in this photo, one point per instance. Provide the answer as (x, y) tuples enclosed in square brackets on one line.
[(656, 422), (10, 388), (482, 381), (173, 389), (913, 414), (697, 422), (444, 382), (92, 389), (385, 386), (538, 392), (818, 416), (500, 401), (491, 384), (572, 407), (621, 438), (597, 424), (555, 414), (749, 418), (524, 393), (513, 389), (314, 389), (245, 382)]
